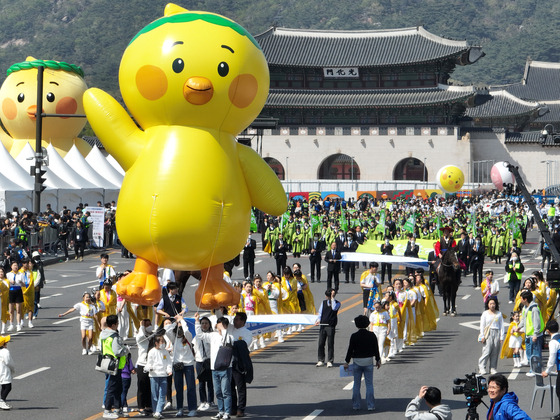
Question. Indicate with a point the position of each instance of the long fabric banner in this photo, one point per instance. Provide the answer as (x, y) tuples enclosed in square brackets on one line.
[(389, 259), (374, 247)]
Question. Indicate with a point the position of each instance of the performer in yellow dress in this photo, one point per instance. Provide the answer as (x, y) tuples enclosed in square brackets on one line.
[(109, 299), (304, 292), (426, 303), (28, 290), (513, 343), (289, 284)]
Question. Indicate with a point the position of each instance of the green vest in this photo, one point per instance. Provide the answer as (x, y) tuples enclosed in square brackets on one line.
[(530, 328), (551, 211), (514, 267), (107, 348)]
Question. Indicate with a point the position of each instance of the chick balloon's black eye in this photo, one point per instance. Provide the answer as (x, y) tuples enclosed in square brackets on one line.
[(50, 97), (178, 65), (223, 69), (21, 97)]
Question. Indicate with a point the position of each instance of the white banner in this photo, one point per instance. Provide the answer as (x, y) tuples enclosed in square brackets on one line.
[(389, 259), (97, 220)]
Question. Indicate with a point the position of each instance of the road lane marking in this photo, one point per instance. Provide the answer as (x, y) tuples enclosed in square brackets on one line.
[(513, 374), (79, 284), (350, 386), (50, 296), (314, 414), (466, 297), (475, 325), (66, 320), (194, 285), (33, 372), (258, 262)]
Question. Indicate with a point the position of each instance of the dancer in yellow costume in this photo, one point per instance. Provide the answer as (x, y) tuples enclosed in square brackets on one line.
[(412, 333), (303, 287), (513, 344), (192, 81), (402, 300), (28, 290), (289, 284), (429, 315)]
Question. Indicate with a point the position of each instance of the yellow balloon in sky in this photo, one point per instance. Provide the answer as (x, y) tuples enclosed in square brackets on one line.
[(450, 178)]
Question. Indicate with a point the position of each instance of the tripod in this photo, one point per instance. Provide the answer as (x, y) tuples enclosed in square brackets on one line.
[(472, 403)]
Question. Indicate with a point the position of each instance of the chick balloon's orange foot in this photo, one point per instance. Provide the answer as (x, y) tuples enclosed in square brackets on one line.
[(142, 285), (213, 291)]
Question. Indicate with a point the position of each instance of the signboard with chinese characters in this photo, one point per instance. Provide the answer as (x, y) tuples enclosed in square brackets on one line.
[(341, 72)]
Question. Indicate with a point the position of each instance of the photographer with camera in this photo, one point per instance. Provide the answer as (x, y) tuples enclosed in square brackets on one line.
[(432, 396), (503, 404)]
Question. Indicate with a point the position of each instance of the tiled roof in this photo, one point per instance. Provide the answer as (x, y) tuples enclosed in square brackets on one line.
[(523, 137), (541, 82), (553, 114), (298, 98), (313, 48), (94, 141), (501, 104)]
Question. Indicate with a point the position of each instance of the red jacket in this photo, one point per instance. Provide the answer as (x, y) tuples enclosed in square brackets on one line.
[(437, 248)]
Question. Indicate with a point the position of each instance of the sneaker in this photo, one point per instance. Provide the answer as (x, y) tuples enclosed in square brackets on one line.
[(218, 416), (191, 413), (530, 374), (203, 407), (179, 413), (329, 364), (482, 372), (511, 301), (226, 416), (11, 327), (84, 352), (30, 324), (4, 405), (158, 416), (18, 328), (126, 410), (121, 413), (319, 364), (493, 371), (110, 415), (167, 406), (280, 339)]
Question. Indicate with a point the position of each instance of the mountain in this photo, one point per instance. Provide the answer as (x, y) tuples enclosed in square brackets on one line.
[(94, 33)]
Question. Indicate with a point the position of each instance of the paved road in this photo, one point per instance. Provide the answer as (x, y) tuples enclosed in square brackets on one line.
[(54, 381)]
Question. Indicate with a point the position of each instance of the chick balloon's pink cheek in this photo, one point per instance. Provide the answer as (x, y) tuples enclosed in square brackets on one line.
[(66, 105), (151, 82), (9, 109), (243, 90)]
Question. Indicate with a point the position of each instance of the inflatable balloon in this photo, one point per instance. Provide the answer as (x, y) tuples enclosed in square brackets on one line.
[(63, 89), (500, 175), (450, 178), (192, 81)]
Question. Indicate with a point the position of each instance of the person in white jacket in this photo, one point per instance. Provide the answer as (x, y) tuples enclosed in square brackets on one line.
[(492, 335), (7, 370), (204, 374), (221, 378), (159, 367), (144, 394), (183, 355)]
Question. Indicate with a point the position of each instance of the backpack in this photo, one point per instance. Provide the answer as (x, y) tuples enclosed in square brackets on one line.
[(557, 355)]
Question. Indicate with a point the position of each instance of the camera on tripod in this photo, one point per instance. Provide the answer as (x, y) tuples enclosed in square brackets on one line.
[(474, 387)]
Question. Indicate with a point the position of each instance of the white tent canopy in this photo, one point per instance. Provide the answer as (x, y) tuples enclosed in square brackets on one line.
[(115, 164), (78, 163), (53, 180), (100, 164)]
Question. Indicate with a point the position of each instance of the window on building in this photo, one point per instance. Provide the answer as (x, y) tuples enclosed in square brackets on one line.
[(339, 166), (410, 169), (276, 167)]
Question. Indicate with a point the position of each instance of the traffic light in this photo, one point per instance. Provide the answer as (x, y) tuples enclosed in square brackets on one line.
[(40, 179)]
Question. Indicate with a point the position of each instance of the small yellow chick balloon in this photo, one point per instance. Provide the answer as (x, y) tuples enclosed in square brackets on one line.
[(192, 81), (450, 178), (63, 89)]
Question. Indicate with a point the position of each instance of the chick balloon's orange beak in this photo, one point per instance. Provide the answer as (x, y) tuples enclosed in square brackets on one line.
[(198, 90), (31, 111)]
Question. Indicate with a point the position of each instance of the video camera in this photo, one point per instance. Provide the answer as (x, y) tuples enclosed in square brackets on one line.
[(474, 387)]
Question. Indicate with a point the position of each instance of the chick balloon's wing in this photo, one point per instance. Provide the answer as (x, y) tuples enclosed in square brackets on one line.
[(265, 189), (114, 127)]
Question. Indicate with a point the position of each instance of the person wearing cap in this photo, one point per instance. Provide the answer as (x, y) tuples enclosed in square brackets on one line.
[(362, 349), (87, 310), (7, 370), (445, 242), (105, 270)]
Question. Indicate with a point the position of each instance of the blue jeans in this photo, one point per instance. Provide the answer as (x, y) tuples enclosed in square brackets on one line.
[(222, 388), (533, 348), (159, 389), (125, 387), (188, 373), (367, 371)]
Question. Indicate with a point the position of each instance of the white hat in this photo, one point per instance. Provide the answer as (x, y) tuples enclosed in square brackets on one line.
[(35, 254)]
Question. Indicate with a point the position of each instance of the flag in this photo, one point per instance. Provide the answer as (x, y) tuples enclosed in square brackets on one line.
[(343, 221), (438, 221), (285, 218), (410, 223), (254, 226), (315, 223), (513, 226), (381, 225)]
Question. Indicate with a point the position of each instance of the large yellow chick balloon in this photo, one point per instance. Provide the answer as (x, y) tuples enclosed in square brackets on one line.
[(192, 81), (450, 178), (63, 89)]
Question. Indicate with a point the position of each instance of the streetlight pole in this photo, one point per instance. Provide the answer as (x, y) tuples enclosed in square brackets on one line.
[(287, 161), (352, 172), (424, 180)]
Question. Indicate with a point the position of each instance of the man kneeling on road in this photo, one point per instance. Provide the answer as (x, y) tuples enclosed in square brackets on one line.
[(432, 396)]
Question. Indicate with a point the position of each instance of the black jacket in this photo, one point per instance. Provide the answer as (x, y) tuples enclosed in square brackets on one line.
[(330, 256), (242, 360), (249, 250), (363, 343)]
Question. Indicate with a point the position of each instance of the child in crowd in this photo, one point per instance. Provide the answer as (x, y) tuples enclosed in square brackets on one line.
[(7, 369), (159, 368)]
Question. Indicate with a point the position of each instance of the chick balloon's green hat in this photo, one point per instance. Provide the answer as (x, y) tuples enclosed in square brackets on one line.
[(50, 64), (191, 17)]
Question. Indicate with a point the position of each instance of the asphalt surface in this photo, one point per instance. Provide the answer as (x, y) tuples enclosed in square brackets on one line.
[(54, 381)]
